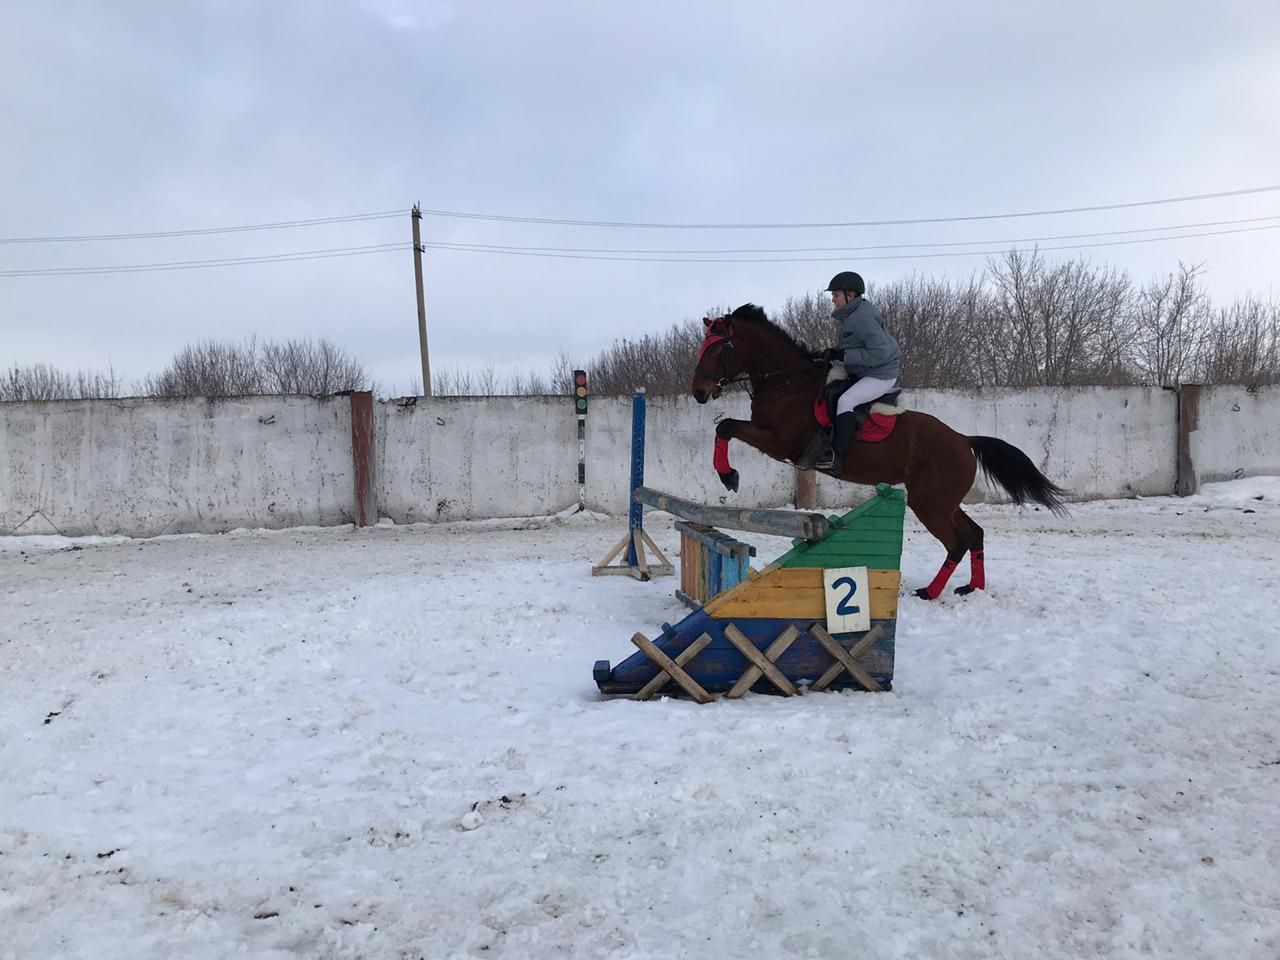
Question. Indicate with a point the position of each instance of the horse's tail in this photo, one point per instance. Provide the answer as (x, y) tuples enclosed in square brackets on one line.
[(1006, 466)]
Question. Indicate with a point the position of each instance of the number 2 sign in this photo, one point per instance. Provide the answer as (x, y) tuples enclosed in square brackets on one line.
[(848, 600)]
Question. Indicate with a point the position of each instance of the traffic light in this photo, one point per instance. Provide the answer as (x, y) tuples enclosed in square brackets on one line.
[(580, 392)]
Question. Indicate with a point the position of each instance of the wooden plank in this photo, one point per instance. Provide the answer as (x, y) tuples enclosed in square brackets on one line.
[(675, 672), (754, 576), (798, 593), (801, 605), (663, 566), (781, 523), (826, 560), (663, 678), (871, 523), (846, 660), (637, 544), (888, 543), (713, 539), (689, 554), (776, 649), (603, 566), (810, 578), (748, 649)]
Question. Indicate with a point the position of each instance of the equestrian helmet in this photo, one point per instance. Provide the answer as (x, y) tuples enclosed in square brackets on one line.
[(847, 280)]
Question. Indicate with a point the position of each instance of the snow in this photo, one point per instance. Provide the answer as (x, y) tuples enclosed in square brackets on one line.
[(386, 743)]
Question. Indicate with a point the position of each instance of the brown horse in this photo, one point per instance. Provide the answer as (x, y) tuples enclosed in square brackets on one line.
[(936, 464)]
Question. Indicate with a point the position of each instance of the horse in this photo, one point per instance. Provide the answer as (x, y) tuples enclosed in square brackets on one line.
[(935, 463)]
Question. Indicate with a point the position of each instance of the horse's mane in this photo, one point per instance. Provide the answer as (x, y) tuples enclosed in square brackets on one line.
[(753, 314)]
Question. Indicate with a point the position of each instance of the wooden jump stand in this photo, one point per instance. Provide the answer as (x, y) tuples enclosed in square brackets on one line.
[(761, 630), (630, 550)]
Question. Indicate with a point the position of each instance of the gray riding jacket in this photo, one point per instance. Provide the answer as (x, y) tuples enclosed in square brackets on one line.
[(869, 348)]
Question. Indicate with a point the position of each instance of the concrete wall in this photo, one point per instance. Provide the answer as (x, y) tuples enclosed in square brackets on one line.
[(1238, 433), (678, 451), (1097, 442), (148, 467), (145, 467), (461, 458)]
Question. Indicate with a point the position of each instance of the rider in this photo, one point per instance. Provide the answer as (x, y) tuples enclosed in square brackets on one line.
[(870, 354)]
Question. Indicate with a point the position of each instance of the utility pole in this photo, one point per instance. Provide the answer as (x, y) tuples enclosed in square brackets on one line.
[(422, 309)]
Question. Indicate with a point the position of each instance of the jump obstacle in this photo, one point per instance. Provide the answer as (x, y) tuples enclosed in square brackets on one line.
[(821, 616)]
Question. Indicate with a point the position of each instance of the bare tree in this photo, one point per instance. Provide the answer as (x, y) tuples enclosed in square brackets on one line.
[(808, 319), (1242, 344), (457, 381), (934, 322), (209, 369), (315, 367), (42, 382), (223, 369), (487, 381), (1059, 325), (522, 383), (1170, 314), (660, 363), (562, 368)]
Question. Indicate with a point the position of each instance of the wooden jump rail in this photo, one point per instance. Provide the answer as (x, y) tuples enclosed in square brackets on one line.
[(632, 552), (779, 523)]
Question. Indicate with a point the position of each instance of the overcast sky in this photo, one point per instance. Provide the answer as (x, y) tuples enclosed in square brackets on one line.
[(132, 117)]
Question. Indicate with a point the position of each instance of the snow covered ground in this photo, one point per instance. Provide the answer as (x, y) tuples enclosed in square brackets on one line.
[(387, 743)]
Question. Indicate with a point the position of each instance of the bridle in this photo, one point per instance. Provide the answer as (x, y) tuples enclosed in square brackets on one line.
[(720, 331)]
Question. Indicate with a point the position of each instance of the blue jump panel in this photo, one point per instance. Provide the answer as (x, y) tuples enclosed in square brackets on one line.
[(718, 667)]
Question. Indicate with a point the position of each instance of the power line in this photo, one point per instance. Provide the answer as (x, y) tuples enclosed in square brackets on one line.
[(459, 245), (895, 256), (201, 264), (556, 221), (205, 231)]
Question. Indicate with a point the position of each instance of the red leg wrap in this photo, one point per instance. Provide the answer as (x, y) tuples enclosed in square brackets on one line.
[(721, 459), (977, 572), (940, 581)]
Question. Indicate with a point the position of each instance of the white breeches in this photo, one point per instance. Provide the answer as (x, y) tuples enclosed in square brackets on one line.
[(868, 388)]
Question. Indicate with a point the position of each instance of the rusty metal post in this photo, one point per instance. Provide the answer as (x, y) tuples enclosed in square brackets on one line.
[(1188, 422), (362, 450)]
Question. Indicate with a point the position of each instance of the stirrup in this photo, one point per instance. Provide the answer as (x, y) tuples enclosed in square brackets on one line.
[(819, 449)]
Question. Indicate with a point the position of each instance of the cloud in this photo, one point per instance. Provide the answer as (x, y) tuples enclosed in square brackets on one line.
[(158, 116)]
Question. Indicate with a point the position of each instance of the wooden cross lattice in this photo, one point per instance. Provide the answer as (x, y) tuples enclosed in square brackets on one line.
[(762, 664), (672, 669), (846, 659)]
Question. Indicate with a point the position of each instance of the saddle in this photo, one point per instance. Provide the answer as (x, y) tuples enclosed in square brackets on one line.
[(824, 405), (875, 418)]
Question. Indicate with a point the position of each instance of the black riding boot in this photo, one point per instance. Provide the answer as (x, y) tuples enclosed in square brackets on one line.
[(847, 425)]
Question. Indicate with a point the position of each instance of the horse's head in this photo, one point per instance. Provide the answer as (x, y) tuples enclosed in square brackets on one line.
[(715, 358), (719, 363)]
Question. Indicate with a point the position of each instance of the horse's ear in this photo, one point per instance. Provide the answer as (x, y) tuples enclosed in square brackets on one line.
[(707, 321)]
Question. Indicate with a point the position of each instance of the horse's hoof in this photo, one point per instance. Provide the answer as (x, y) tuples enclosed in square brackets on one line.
[(730, 481), (965, 590), (923, 593)]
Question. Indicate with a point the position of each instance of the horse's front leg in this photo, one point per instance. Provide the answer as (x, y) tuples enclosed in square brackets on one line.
[(750, 433)]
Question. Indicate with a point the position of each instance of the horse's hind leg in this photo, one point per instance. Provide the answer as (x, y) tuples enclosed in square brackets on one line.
[(973, 540), (941, 522)]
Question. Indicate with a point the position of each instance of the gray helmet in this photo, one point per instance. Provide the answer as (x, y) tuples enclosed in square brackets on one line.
[(847, 280)]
